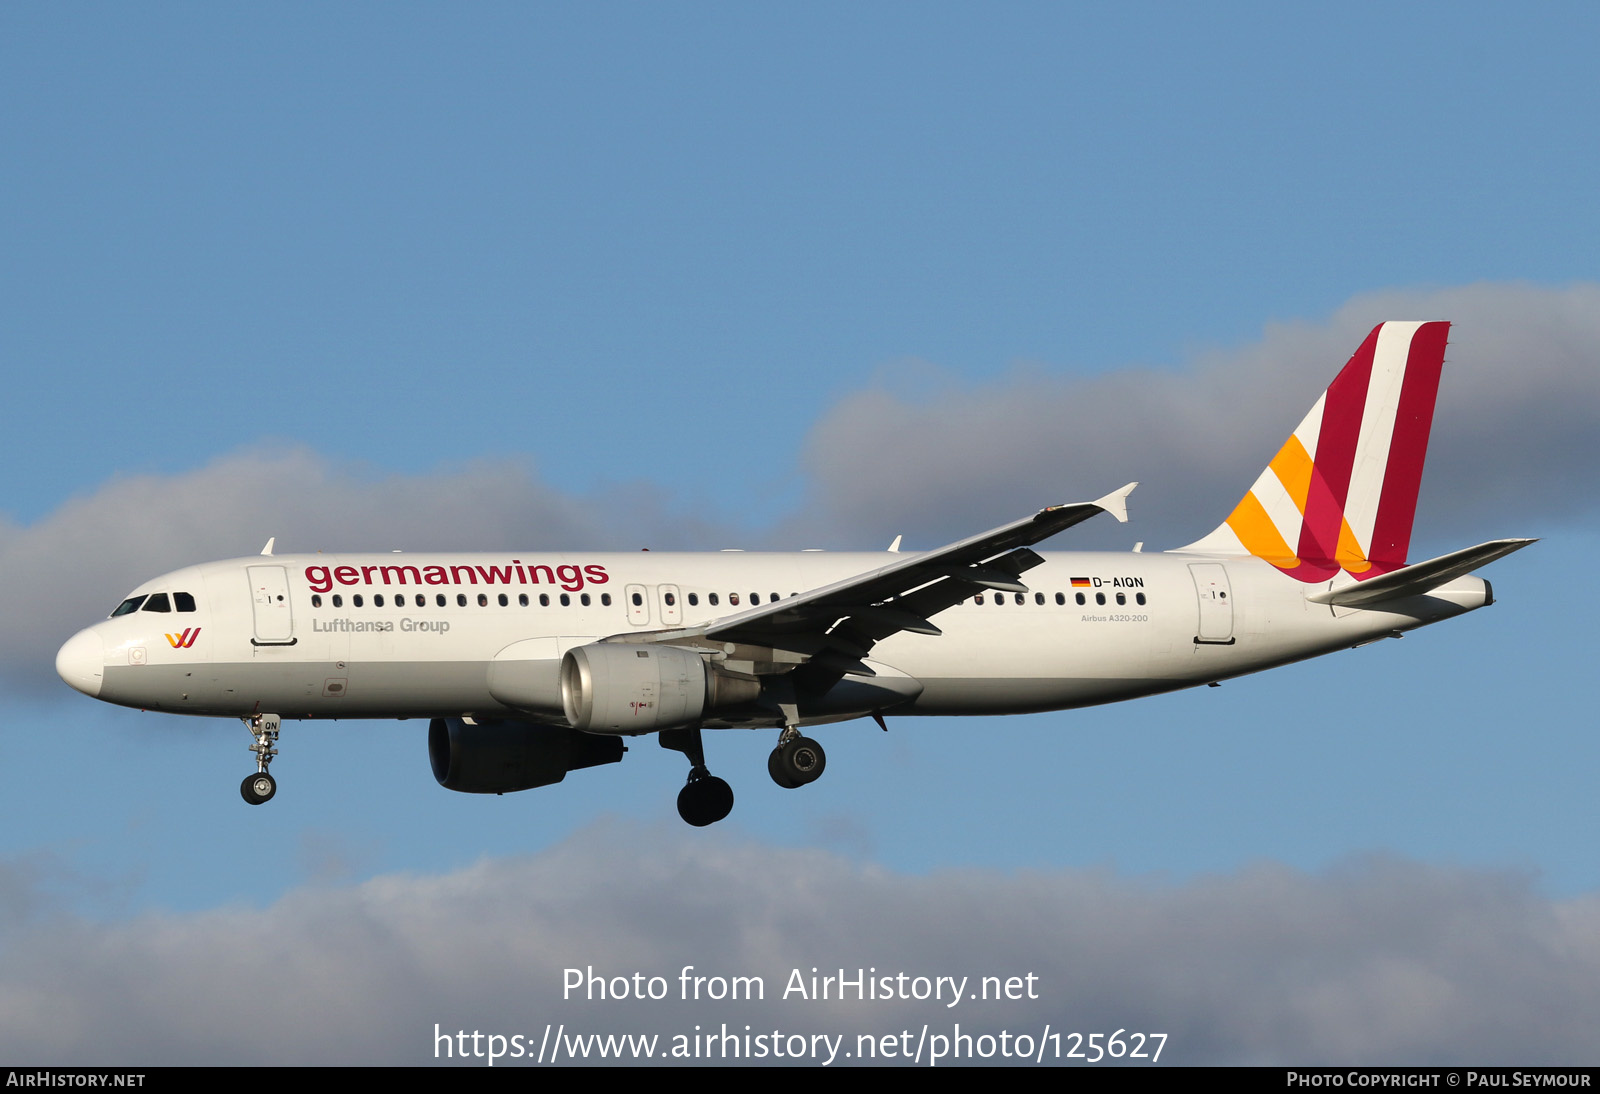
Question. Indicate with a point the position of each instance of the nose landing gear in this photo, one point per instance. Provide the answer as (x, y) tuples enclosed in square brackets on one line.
[(258, 789)]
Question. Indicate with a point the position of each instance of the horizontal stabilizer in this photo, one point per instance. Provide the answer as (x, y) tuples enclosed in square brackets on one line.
[(1420, 578)]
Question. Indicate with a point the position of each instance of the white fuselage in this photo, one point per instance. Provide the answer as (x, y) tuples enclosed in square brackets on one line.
[(403, 635)]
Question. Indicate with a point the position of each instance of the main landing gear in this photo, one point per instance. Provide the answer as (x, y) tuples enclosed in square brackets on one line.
[(704, 799), (796, 761), (258, 789)]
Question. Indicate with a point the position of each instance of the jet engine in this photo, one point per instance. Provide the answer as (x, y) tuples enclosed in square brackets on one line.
[(497, 757), (620, 687)]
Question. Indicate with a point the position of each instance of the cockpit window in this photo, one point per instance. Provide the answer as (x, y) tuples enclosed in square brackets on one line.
[(129, 605), (158, 602), (183, 601)]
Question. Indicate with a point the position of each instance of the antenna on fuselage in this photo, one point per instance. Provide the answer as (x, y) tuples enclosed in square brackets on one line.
[(894, 548), (267, 550)]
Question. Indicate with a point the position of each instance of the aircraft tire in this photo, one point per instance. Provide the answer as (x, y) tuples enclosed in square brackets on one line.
[(803, 760), (705, 801), (258, 789), (776, 769)]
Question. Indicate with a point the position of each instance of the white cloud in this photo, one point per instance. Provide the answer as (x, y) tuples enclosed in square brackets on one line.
[(1378, 961)]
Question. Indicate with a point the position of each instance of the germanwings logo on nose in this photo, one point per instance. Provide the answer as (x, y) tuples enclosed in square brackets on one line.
[(185, 640)]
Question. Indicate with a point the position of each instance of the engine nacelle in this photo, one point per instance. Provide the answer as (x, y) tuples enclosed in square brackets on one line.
[(628, 688), (497, 757), (622, 687)]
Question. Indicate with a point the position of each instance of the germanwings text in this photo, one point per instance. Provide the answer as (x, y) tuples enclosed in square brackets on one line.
[(571, 578)]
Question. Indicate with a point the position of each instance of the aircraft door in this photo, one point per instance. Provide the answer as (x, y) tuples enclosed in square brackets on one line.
[(269, 595), (1216, 605), (671, 605), (638, 606)]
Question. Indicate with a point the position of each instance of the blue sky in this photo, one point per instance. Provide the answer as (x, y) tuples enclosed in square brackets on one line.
[(696, 276)]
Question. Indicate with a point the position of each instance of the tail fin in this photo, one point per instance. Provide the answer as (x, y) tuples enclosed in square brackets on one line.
[(1342, 491)]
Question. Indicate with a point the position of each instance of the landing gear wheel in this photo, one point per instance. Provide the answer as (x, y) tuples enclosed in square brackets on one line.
[(705, 800), (258, 789), (801, 761), (776, 770)]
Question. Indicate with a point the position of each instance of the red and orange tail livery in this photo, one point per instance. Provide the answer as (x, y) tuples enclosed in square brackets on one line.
[(1342, 491)]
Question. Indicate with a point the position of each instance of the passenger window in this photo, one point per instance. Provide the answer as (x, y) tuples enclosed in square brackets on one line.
[(584, 599), (377, 600), (1122, 598), (356, 600), (669, 598), (566, 601), (544, 600), (1061, 598), (1079, 598), (183, 601), (1099, 598), (605, 599), (483, 600), (461, 600), (733, 598), (1021, 599), (755, 598), (711, 598), (638, 599), (978, 599), (694, 600), (439, 599), (504, 601), (316, 600), (522, 600), (1138, 598), (338, 601), (157, 603), (1038, 598)]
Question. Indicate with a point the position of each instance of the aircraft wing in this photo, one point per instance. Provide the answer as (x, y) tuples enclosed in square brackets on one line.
[(840, 622)]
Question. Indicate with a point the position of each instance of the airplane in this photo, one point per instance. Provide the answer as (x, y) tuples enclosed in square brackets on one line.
[(530, 666)]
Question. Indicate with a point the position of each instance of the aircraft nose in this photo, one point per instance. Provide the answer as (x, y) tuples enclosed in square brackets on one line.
[(82, 662)]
